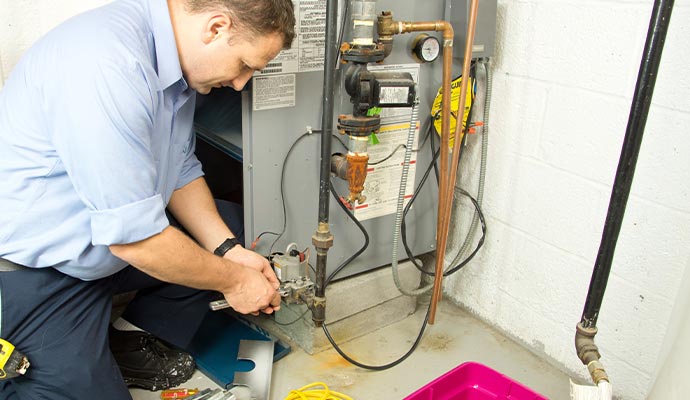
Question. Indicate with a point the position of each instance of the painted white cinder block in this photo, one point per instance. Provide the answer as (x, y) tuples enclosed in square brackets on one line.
[(663, 169), (583, 132), (673, 83), (564, 77)]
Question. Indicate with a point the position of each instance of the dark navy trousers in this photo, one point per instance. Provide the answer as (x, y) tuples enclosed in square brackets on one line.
[(61, 324)]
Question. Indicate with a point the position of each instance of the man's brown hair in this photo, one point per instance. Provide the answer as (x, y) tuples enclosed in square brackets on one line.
[(260, 17)]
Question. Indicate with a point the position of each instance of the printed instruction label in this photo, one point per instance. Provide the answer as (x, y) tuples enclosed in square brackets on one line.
[(307, 52), (382, 185), (275, 91)]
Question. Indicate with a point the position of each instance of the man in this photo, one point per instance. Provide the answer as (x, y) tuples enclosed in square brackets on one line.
[(95, 146)]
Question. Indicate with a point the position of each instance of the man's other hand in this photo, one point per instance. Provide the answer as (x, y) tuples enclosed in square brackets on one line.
[(254, 261)]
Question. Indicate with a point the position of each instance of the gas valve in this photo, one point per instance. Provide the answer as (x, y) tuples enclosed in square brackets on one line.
[(297, 291)]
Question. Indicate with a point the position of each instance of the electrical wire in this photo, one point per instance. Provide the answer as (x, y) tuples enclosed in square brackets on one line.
[(395, 150), (361, 228), (385, 366), (256, 241), (316, 391), (478, 211), (334, 273), (292, 322), (481, 239), (282, 186), (403, 227)]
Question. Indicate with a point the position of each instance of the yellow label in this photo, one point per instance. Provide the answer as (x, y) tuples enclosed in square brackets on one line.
[(6, 349), (455, 88)]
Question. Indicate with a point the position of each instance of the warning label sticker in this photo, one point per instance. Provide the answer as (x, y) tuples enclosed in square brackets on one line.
[(276, 91), (307, 52), (382, 185), (386, 155)]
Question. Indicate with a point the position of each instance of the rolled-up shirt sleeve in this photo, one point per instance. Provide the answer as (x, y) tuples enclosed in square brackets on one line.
[(130, 223), (105, 147)]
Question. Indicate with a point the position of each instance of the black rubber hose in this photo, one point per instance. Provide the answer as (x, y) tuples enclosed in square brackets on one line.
[(646, 79)]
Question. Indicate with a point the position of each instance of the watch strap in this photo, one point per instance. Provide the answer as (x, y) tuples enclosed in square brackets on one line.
[(227, 244)]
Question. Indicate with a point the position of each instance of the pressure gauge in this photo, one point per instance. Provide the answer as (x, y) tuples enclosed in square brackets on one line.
[(426, 48)]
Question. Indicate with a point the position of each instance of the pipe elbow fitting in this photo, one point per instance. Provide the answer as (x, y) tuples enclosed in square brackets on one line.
[(586, 350), (339, 165), (386, 26), (387, 43)]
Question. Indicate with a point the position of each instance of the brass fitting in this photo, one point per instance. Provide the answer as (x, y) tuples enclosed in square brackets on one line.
[(597, 372), (386, 26), (322, 239), (588, 352)]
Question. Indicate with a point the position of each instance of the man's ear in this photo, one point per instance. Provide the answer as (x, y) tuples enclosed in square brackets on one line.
[(217, 26)]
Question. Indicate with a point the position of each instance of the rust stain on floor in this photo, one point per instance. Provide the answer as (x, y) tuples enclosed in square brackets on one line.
[(437, 342)]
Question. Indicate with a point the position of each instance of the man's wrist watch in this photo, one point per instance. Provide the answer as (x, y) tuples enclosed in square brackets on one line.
[(224, 247)]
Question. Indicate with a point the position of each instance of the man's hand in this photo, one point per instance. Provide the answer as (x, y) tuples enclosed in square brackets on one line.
[(251, 293), (254, 261)]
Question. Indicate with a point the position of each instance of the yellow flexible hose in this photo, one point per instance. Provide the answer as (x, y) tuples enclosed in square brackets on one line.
[(316, 391)]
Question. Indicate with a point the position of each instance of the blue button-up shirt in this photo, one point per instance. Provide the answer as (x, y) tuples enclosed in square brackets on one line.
[(95, 135)]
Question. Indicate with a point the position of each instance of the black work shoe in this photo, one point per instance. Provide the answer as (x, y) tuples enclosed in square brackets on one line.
[(146, 362)]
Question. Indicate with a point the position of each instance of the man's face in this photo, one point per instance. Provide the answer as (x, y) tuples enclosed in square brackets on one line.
[(232, 64)]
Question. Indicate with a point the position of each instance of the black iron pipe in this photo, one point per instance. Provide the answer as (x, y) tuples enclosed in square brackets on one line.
[(646, 79), (328, 106), (323, 239)]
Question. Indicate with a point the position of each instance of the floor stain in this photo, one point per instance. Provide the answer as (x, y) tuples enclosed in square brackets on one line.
[(437, 342)]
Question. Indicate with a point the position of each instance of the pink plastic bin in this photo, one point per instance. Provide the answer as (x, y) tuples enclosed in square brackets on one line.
[(474, 381)]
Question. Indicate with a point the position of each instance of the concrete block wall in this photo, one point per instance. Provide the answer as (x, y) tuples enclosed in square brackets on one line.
[(564, 75)]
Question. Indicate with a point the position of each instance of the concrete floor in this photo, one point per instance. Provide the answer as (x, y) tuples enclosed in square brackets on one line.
[(456, 337)]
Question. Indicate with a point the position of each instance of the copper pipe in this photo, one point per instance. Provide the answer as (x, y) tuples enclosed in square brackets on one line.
[(387, 27), (444, 220)]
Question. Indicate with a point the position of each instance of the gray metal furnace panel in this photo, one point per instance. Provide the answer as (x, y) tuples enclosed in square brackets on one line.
[(457, 13), (267, 136)]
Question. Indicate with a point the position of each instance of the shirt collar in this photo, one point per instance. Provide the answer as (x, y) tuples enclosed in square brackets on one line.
[(167, 58)]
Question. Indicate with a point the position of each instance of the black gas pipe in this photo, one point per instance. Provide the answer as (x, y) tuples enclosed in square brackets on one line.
[(323, 239), (646, 79)]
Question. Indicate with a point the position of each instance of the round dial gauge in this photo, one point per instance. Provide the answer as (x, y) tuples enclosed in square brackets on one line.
[(427, 48)]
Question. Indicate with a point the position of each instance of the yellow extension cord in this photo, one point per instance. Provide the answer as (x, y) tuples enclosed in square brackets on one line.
[(322, 392)]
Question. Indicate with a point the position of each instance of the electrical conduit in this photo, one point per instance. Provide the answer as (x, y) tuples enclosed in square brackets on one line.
[(484, 85)]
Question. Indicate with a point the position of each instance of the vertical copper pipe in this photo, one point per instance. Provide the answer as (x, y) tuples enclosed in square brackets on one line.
[(448, 184)]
